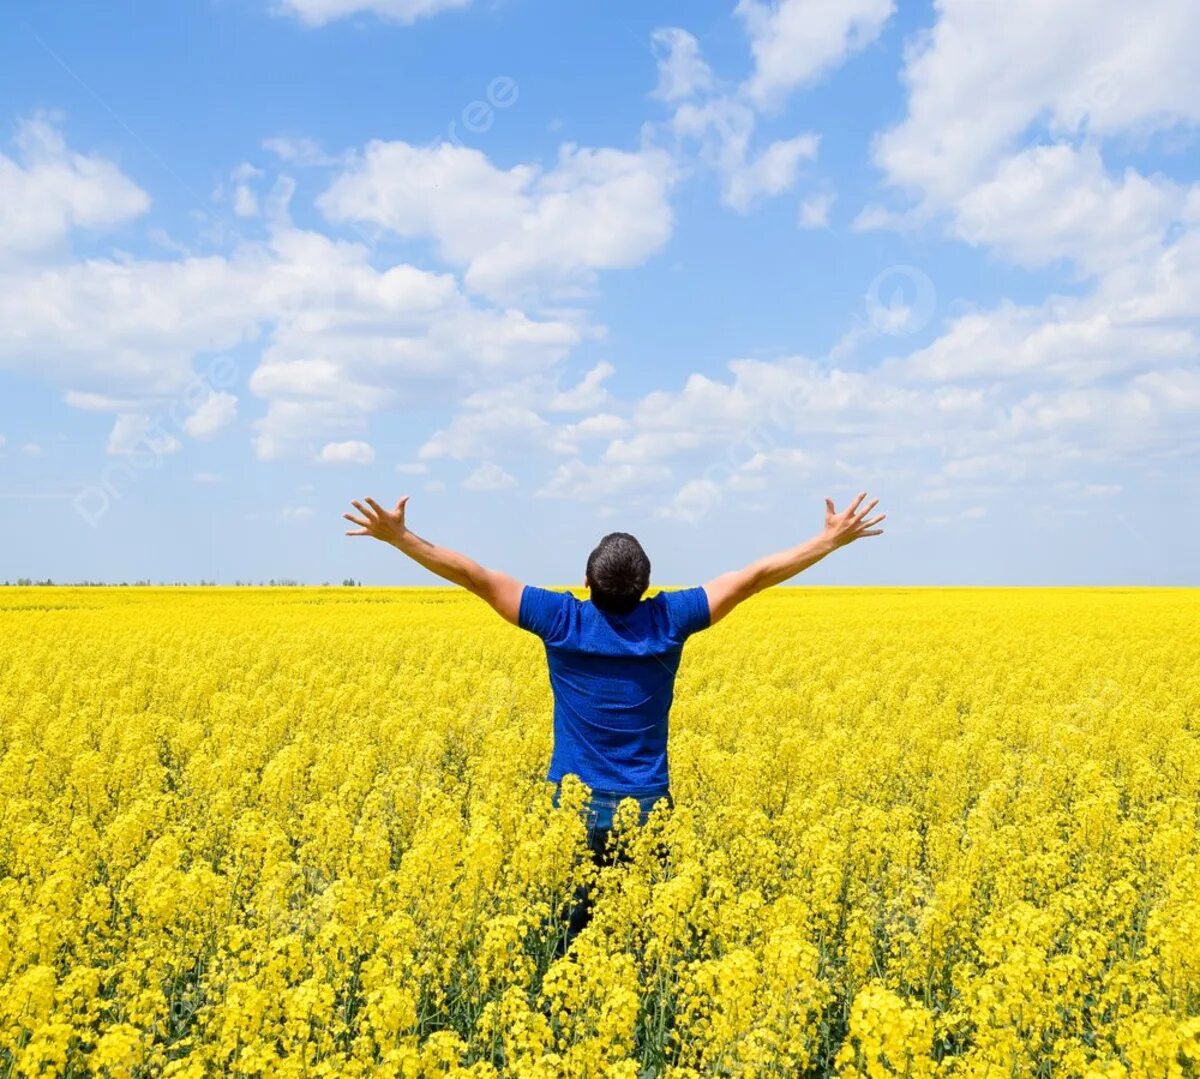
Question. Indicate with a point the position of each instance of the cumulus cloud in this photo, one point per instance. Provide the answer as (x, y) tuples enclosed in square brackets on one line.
[(134, 433), (797, 42), (320, 12), (1095, 68), (109, 328), (682, 72), (589, 393), (245, 201), (569, 438), (814, 211), (692, 501), (340, 339), (353, 452), (212, 415), (1068, 76), (1015, 394), (579, 481), (489, 476), (47, 190), (723, 128), (488, 423), (515, 231), (300, 150), (794, 42), (1057, 202)]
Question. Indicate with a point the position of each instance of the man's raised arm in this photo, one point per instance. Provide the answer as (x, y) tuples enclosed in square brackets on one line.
[(727, 591), (500, 590)]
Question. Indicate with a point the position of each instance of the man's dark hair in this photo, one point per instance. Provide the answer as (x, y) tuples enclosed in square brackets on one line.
[(618, 572)]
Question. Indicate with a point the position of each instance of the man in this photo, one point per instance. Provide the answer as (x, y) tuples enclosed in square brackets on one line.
[(613, 658)]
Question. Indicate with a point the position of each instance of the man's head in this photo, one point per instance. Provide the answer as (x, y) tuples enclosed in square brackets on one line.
[(618, 572)]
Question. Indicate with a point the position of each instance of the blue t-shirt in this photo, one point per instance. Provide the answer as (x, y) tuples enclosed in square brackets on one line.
[(613, 677)]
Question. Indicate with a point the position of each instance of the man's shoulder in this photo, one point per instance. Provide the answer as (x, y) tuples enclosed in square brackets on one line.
[(550, 595), (686, 609), (543, 610), (674, 597)]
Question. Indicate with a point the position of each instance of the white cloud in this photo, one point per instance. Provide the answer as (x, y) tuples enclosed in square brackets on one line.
[(783, 457), (794, 43), (245, 201), (723, 128), (206, 479), (692, 501), (516, 231), (1071, 75), (299, 150), (342, 338), (1052, 202), (682, 72), (134, 433), (31, 449), (500, 420), (319, 12), (412, 469), (48, 191), (797, 42), (581, 482), (1018, 394), (213, 414), (99, 402), (297, 513), (1089, 490), (1099, 68), (589, 393), (814, 211), (352, 452), (1007, 467), (773, 172), (971, 513), (567, 439), (128, 329), (489, 476), (1139, 316)]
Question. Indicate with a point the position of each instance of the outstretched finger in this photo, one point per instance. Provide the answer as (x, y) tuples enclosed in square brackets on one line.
[(873, 521), (362, 509), (861, 515), (829, 506), (360, 532), (872, 532), (852, 509), (400, 503), (355, 521), (376, 506)]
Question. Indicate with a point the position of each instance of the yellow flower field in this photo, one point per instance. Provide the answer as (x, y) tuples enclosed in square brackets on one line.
[(304, 832)]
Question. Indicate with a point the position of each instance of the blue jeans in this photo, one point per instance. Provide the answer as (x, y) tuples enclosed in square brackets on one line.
[(598, 816)]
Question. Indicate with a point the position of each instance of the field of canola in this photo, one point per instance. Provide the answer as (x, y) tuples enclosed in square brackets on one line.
[(305, 832)]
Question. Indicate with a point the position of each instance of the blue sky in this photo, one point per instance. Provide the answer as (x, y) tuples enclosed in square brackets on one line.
[(555, 270)]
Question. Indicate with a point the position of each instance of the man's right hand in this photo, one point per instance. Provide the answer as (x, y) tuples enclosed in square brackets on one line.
[(385, 525), (851, 524)]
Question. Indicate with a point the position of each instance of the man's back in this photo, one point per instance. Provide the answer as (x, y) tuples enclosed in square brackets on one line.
[(613, 677)]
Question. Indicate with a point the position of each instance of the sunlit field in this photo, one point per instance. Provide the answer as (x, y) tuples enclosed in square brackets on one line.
[(305, 832)]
